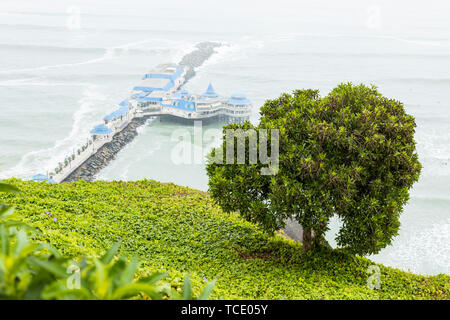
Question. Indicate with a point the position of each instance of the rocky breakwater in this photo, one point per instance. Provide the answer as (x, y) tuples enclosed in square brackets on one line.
[(101, 158), (196, 58)]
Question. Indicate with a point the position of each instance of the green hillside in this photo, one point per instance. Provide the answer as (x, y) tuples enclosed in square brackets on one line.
[(181, 231)]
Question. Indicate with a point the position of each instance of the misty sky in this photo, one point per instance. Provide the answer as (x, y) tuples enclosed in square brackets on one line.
[(399, 17)]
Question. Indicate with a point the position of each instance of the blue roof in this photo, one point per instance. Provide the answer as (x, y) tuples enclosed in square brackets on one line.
[(116, 114), (101, 129), (40, 177), (110, 116), (171, 77), (210, 93), (140, 94), (145, 89), (123, 110), (124, 103), (238, 98), (169, 85)]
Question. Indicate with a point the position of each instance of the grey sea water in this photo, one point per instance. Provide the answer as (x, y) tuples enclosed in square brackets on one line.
[(60, 73)]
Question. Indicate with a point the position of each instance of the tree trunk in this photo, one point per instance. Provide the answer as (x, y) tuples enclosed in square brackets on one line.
[(307, 239)]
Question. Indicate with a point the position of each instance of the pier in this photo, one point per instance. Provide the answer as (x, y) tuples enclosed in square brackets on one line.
[(158, 95)]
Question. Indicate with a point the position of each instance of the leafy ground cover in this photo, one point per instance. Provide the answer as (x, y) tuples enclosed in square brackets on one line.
[(181, 231)]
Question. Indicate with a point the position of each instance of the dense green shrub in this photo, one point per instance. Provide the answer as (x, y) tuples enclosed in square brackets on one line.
[(180, 231), (350, 153), (29, 270)]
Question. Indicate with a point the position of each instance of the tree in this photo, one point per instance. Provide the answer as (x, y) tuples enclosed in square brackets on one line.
[(351, 154)]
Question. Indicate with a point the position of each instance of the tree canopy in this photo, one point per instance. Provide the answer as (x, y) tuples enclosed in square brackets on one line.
[(351, 153)]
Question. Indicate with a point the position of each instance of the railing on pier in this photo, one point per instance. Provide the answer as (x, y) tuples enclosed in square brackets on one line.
[(77, 159)]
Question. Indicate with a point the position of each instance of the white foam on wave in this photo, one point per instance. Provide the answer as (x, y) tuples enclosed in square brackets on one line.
[(423, 251), (284, 37), (40, 161), (109, 53), (43, 160), (419, 250), (433, 147), (434, 143), (35, 82), (441, 44), (18, 82), (229, 52), (180, 49)]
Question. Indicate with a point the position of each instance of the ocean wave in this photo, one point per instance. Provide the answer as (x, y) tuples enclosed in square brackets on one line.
[(436, 42), (433, 43), (369, 55), (180, 50), (431, 200), (32, 27), (29, 47), (39, 82), (419, 80), (420, 251), (39, 161), (104, 29), (229, 52), (109, 54), (177, 47), (65, 79)]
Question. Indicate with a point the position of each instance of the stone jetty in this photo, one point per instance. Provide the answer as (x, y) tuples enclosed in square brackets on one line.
[(196, 58), (101, 158)]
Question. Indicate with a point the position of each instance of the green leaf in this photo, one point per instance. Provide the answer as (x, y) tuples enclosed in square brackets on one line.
[(187, 289), (100, 277), (154, 278), (54, 251), (206, 292), (8, 188), (5, 211), (21, 242), (4, 234), (129, 272), (109, 255), (134, 289), (52, 267)]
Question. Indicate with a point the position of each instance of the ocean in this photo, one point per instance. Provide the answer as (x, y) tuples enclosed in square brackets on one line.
[(66, 64)]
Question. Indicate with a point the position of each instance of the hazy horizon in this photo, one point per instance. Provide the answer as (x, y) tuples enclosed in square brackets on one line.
[(61, 72)]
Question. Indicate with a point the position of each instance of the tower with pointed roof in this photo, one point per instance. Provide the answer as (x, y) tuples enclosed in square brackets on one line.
[(210, 93)]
